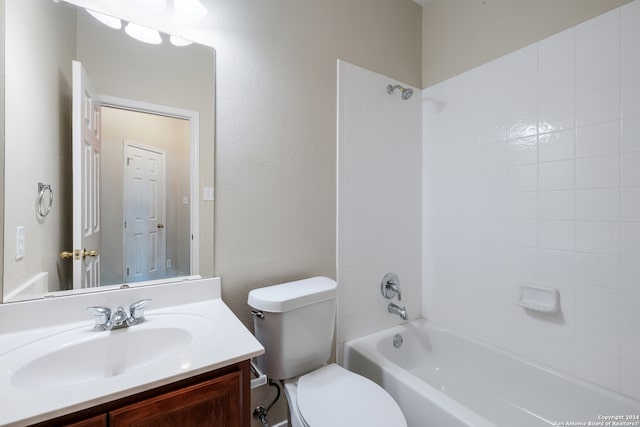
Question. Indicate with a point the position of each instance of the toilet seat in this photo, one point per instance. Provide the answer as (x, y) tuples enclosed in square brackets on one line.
[(334, 396)]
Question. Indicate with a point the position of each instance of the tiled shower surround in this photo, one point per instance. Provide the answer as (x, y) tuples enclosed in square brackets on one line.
[(531, 175), (379, 220)]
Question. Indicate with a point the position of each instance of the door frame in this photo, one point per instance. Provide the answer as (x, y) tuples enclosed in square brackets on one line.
[(194, 171)]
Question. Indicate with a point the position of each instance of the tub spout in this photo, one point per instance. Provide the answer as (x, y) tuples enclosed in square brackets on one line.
[(397, 309)]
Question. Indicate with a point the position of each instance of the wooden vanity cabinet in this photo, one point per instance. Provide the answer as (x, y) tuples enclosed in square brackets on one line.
[(212, 403), (98, 421), (220, 398)]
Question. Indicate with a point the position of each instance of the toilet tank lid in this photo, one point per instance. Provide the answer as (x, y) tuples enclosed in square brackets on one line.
[(292, 295)]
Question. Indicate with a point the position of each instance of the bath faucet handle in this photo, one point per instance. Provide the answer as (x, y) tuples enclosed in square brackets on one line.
[(102, 316), (136, 310), (390, 286)]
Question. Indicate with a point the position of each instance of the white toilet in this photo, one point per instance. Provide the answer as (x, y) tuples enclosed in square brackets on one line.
[(294, 322)]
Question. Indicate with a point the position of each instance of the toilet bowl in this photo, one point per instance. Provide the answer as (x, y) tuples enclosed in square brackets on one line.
[(295, 323), (333, 396)]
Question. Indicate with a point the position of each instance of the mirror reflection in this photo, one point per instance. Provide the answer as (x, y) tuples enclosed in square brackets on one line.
[(105, 191), (147, 159)]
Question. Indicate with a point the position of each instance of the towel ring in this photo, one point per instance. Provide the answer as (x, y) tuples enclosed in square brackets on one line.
[(43, 189)]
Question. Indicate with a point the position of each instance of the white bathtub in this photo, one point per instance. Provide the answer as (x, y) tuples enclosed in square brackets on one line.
[(443, 379)]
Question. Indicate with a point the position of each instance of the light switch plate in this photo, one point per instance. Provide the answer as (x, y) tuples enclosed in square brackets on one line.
[(21, 237), (207, 193)]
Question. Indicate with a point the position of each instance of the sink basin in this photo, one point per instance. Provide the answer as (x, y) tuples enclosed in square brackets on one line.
[(80, 355)]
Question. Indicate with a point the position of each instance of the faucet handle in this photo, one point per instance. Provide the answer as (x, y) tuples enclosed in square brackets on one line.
[(136, 310), (102, 316), (119, 317), (390, 286)]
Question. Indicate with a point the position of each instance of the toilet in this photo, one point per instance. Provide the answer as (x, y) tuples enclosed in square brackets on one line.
[(295, 323)]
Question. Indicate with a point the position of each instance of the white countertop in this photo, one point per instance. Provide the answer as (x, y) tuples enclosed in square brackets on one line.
[(226, 341)]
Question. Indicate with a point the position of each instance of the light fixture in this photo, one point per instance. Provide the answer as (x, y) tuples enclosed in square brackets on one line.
[(107, 20), (181, 12), (150, 5), (143, 34), (179, 41), (189, 10)]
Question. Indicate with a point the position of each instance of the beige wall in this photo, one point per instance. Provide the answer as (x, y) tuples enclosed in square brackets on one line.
[(458, 35)]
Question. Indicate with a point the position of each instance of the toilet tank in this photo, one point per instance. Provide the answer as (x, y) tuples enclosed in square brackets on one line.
[(295, 325)]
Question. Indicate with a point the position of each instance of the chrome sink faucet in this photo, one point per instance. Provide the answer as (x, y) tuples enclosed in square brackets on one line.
[(106, 320)]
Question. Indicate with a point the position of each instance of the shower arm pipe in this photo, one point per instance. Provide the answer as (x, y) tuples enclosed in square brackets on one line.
[(406, 92)]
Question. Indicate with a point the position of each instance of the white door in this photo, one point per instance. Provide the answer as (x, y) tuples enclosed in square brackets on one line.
[(144, 213), (86, 181)]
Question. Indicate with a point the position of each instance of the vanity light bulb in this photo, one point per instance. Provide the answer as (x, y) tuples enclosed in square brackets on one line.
[(189, 10), (179, 41), (144, 34), (150, 5), (107, 20)]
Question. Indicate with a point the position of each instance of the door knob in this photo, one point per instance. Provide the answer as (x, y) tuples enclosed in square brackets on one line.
[(160, 225), (78, 253), (91, 253)]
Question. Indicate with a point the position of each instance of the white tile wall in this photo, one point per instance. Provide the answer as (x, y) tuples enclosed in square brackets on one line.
[(532, 175), (379, 200)]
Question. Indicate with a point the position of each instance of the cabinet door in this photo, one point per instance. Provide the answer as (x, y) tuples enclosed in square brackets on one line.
[(99, 421), (216, 402)]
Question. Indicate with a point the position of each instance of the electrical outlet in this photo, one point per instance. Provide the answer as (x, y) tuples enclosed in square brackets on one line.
[(168, 263)]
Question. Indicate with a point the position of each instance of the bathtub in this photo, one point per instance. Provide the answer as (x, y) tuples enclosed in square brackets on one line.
[(444, 379)]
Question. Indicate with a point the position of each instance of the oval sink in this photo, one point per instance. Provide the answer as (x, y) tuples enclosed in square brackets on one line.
[(81, 356), (116, 353)]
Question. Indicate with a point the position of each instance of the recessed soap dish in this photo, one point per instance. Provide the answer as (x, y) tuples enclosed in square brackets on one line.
[(545, 300)]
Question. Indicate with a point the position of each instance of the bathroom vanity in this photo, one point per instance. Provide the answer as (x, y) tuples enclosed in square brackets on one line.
[(220, 397), (186, 364)]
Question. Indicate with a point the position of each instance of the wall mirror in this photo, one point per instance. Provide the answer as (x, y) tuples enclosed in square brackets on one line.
[(108, 154)]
